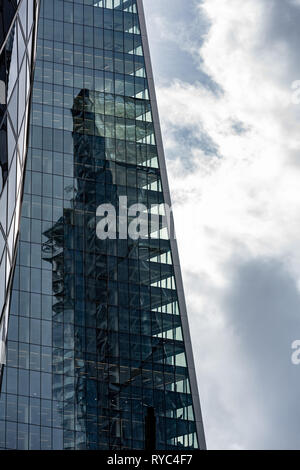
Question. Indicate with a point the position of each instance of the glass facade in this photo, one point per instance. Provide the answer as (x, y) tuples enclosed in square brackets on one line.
[(17, 46), (96, 333)]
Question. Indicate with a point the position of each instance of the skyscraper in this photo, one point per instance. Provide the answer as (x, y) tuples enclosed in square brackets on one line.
[(17, 49), (98, 353)]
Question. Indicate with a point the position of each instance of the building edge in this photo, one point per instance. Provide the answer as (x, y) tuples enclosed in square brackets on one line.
[(173, 242), (6, 305)]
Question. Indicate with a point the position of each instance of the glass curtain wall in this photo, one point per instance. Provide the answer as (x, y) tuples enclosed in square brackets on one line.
[(17, 46), (95, 332)]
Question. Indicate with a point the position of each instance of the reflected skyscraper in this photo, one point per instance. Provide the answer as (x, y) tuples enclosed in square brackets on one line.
[(98, 335)]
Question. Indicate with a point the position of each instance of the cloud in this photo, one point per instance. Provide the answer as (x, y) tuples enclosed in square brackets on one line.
[(263, 309), (233, 159), (252, 389)]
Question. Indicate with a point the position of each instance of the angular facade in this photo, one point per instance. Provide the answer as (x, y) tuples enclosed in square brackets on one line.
[(98, 342), (17, 49)]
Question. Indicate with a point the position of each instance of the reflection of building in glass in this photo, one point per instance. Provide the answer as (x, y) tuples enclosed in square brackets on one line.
[(17, 44), (98, 335)]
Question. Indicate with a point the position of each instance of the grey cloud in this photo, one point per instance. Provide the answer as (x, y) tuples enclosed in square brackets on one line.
[(188, 139), (263, 308), (281, 27), (170, 54), (239, 128)]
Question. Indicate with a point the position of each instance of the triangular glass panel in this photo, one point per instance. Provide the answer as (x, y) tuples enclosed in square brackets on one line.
[(23, 16), (21, 44), (12, 72), (11, 141), (2, 243)]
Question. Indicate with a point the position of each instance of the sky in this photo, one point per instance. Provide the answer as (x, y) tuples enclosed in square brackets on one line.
[(226, 75)]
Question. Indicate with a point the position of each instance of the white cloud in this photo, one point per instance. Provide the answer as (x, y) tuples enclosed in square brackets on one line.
[(238, 207)]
